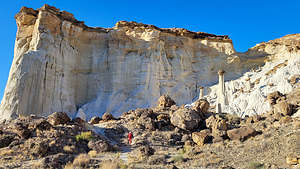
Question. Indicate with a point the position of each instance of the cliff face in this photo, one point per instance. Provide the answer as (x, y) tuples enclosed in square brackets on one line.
[(60, 64)]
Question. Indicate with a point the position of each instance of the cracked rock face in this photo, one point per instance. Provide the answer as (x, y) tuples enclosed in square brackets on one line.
[(62, 65)]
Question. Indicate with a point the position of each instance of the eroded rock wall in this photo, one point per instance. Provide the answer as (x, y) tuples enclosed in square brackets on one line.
[(60, 64)]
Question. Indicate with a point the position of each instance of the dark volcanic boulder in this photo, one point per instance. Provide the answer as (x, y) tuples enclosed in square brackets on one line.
[(186, 119)]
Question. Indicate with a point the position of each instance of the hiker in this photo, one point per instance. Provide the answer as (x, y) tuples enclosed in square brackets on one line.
[(130, 137)]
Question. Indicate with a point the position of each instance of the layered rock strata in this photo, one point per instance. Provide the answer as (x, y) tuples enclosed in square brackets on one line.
[(60, 64)]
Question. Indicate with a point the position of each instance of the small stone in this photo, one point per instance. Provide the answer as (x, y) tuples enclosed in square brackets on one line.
[(277, 116), (253, 119), (285, 119), (201, 138), (296, 125), (292, 160), (284, 108)]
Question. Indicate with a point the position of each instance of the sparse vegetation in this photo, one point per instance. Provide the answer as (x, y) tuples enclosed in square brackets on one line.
[(82, 160), (113, 164), (84, 136), (256, 165)]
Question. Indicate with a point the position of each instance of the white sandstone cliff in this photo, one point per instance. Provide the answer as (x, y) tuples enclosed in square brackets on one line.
[(60, 64)]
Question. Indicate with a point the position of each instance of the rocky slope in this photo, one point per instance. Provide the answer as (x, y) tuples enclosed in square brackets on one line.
[(197, 138), (60, 64)]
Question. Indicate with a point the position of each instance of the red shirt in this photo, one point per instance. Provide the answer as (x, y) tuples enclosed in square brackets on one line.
[(130, 136)]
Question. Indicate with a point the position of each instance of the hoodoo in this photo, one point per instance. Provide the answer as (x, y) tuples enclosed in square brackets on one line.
[(60, 64)]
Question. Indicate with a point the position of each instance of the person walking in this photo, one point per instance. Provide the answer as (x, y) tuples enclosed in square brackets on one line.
[(130, 136)]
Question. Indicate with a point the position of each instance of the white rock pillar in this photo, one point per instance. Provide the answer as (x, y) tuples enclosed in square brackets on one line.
[(201, 93), (221, 100), (248, 84)]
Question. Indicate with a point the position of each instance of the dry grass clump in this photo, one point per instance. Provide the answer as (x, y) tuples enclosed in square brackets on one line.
[(113, 164), (81, 161)]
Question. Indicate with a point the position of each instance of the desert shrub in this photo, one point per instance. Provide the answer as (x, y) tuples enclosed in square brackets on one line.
[(256, 165), (179, 157), (84, 136), (81, 161), (115, 164)]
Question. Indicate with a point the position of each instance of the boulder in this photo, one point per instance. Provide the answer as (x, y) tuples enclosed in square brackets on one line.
[(284, 108), (107, 116), (22, 130), (242, 133), (40, 149), (274, 97), (165, 101), (291, 160), (147, 122), (202, 137), (42, 125), (297, 114), (146, 150), (253, 119), (78, 121), (5, 140), (58, 118), (100, 146), (95, 120), (201, 106), (216, 122), (157, 160), (186, 119)]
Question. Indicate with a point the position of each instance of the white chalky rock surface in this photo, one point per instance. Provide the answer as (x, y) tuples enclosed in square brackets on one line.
[(283, 51), (62, 65)]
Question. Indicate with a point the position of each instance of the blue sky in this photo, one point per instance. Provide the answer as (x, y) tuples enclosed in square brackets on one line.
[(246, 22)]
